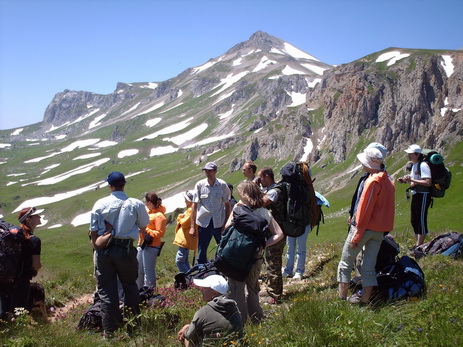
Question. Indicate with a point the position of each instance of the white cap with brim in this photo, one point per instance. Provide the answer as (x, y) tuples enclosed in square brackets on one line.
[(371, 158), (413, 149), (32, 212), (215, 282)]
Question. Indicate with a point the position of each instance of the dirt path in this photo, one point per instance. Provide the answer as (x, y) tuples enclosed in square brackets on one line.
[(60, 312)]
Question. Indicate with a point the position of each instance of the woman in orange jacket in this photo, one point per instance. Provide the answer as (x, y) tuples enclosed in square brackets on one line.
[(149, 243), (183, 239), (374, 216)]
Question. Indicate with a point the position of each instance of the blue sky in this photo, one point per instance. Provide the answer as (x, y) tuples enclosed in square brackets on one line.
[(47, 46)]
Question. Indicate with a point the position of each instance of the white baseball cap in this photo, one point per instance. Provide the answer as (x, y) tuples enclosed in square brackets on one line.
[(215, 282), (413, 149)]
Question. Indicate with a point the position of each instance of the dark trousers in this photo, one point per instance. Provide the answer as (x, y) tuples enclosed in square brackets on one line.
[(111, 264), (419, 212), (204, 238)]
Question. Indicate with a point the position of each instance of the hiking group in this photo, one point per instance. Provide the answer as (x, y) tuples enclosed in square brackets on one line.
[(126, 235)]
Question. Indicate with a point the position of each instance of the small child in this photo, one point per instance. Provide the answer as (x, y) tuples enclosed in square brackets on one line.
[(183, 239)]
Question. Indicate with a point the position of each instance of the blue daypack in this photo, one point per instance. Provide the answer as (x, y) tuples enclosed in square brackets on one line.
[(403, 279)]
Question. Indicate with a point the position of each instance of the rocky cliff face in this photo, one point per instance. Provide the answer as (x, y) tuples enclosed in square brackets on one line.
[(267, 99), (417, 99)]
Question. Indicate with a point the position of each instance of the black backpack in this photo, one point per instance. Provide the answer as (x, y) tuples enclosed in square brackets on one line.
[(387, 254), (12, 240), (440, 175), (297, 193), (92, 318), (184, 280), (239, 243), (402, 280)]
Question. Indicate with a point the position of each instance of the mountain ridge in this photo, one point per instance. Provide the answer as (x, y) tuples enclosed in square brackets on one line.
[(262, 100)]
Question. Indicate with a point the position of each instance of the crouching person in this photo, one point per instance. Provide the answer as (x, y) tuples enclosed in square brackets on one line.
[(218, 320)]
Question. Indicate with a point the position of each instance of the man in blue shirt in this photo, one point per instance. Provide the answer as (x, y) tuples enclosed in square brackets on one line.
[(119, 261)]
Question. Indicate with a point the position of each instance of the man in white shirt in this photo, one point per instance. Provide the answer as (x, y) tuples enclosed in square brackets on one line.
[(210, 209)]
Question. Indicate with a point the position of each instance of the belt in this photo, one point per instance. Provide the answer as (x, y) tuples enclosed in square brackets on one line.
[(126, 243)]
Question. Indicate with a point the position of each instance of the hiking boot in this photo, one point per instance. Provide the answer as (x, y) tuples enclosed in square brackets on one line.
[(297, 276)]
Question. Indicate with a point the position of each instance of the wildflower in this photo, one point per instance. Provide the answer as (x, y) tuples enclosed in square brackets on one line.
[(399, 327), (452, 320)]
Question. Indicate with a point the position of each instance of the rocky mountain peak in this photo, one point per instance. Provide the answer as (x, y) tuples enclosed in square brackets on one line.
[(259, 40)]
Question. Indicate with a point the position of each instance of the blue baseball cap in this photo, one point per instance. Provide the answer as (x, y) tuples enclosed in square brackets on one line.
[(116, 178)]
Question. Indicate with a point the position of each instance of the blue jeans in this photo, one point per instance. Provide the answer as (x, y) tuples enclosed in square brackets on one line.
[(181, 259), (300, 254), (147, 266), (205, 236)]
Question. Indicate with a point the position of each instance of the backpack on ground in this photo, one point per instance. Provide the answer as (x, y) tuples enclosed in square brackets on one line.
[(184, 280), (402, 280), (299, 199), (240, 242), (149, 297), (92, 318), (440, 175), (11, 246), (388, 253), (449, 244)]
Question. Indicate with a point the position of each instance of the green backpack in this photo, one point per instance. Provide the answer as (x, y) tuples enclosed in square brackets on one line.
[(440, 175), (239, 243)]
